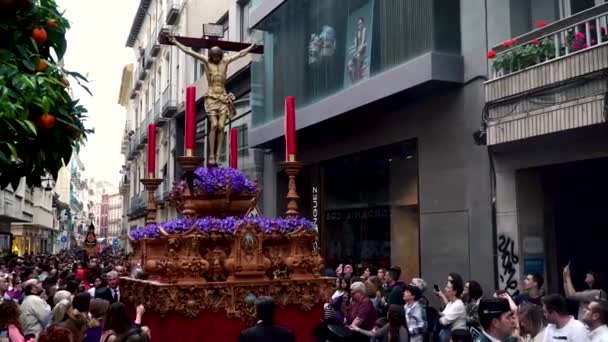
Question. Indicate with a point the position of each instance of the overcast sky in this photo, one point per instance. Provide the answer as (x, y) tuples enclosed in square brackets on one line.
[(96, 45)]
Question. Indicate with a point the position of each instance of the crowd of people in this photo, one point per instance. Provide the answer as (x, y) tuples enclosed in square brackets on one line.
[(74, 297), (375, 306), (66, 297)]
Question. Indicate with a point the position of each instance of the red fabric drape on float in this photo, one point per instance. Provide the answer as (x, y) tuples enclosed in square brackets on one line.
[(216, 326)]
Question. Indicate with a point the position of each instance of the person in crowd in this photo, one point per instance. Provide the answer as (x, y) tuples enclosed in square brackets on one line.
[(76, 323), (366, 274), (348, 271), (471, 296), (461, 335), (15, 289), (506, 295), (363, 314), (593, 292), (10, 328), (562, 327), (112, 292), (35, 312), (61, 295), (265, 329), (60, 311), (374, 291), (81, 302), (395, 331), (394, 289), (414, 314), (56, 334), (4, 289), (497, 320), (97, 284), (596, 319), (531, 322), (118, 327), (454, 314), (532, 286), (98, 309), (381, 274)]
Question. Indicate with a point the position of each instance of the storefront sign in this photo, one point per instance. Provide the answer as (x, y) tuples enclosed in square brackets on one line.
[(357, 214), (533, 245), (315, 206), (534, 266)]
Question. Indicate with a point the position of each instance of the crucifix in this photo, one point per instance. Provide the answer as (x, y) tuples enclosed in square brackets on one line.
[(218, 103)]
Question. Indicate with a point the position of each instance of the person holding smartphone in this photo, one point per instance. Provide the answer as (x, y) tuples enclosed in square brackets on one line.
[(454, 315)]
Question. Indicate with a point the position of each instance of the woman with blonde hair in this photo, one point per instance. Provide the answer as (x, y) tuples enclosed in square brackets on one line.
[(531, 323), (98, 310)]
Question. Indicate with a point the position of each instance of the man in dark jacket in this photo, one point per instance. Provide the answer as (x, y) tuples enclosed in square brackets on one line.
[(394, 288), (265, 330)]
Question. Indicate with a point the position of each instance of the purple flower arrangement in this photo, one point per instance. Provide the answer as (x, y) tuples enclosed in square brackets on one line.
[(214, 180), (149, 231), (228, 225)]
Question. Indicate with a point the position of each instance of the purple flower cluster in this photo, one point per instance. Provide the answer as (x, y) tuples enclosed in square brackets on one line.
[(227, 225), (149, 231), (177, 226), (214, 181)]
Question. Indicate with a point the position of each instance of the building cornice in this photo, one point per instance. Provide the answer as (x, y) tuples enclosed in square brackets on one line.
[(138, 21), (125, 85)]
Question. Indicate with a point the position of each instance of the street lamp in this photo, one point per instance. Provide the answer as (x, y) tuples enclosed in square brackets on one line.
[(48, 186)]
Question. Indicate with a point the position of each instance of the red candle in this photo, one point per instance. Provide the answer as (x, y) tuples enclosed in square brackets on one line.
[(151, 150), (234, 149), (290, 128), (190, 138)]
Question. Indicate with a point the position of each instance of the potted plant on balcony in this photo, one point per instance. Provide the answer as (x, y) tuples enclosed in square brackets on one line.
[(518, 56)]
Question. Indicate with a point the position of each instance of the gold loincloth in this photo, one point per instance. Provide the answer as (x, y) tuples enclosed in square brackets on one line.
[(220, 104)]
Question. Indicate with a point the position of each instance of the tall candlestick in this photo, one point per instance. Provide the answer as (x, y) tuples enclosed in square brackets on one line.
[(190, 134), (290, 128), (151, 150), (234, 149)]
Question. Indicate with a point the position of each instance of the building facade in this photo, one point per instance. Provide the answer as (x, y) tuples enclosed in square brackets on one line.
[(545, 126), (153, 91), (389, 95)]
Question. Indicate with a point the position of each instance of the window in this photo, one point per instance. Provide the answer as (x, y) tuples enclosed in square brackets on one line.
[(245, 8), (224, 22), (242, 140)]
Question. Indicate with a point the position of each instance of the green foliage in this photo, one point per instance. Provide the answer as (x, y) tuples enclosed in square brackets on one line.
[(544, 49), (40, 124)]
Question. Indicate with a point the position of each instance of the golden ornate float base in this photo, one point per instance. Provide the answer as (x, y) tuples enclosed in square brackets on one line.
[(235, 299)]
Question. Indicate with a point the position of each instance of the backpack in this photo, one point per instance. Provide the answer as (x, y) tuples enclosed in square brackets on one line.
[(432, 322)]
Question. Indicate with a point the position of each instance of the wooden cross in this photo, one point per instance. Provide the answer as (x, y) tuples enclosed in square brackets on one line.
[(209, 42)]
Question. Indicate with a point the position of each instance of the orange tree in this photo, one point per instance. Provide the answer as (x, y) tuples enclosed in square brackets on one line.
[(40, 123)]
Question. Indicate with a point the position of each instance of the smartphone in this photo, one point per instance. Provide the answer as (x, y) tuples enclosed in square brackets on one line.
[(436, 287)]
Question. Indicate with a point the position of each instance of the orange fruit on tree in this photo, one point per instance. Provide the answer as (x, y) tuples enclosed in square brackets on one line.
[(52, 23), (42, 64), (39, 35), (47, 121)]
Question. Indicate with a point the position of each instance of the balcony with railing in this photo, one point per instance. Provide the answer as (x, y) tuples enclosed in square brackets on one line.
[(549, 80), (173, 9), (159, 120), (169, 103), (154, 45), (137, 207), (143, 130), (162, 193), (132, 148)]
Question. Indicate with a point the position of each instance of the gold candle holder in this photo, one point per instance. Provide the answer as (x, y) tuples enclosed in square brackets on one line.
[(151, 184), (292, 169)]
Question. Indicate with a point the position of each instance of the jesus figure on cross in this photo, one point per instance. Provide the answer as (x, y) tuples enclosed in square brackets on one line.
[(218, 103)]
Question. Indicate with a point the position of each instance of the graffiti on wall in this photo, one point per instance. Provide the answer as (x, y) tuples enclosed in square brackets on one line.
[(508, 265)]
